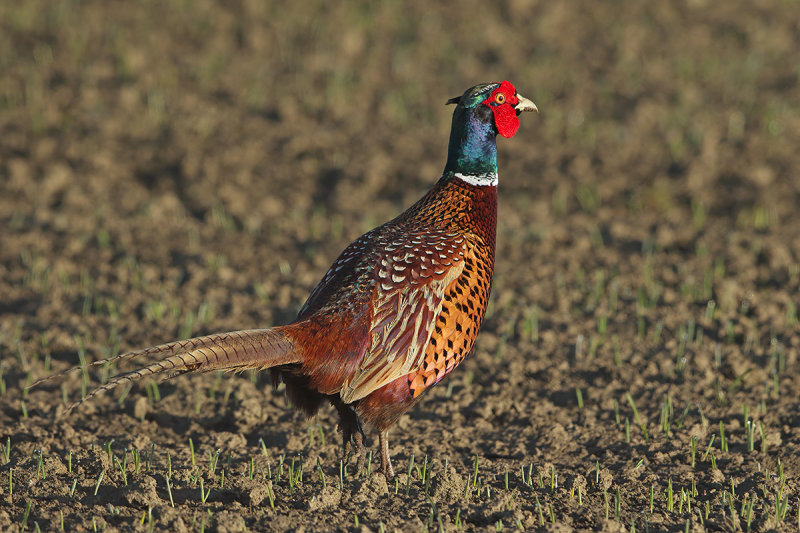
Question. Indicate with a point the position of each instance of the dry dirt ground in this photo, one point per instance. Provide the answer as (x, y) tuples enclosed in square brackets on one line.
[(170, 169)]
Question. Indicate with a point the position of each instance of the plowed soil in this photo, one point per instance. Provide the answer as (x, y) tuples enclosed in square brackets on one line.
[(175, 169)]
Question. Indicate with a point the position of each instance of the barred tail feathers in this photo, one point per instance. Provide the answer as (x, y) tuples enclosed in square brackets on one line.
[(234, 351), (169, 348)]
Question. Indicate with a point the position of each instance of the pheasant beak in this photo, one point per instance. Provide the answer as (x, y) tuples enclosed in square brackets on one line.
[(524, 104)]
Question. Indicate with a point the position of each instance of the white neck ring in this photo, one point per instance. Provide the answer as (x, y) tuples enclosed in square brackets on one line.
[(480, 180)]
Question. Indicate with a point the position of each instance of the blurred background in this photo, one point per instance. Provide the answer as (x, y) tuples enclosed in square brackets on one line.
[(169, 169), (155, 132)]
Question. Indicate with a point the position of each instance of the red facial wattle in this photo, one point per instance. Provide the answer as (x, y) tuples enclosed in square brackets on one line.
[(505, 116)]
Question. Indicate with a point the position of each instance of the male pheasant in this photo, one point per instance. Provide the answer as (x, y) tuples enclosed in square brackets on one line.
[(397, 311)]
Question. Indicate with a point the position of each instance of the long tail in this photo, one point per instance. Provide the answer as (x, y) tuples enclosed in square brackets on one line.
[(233, 351)]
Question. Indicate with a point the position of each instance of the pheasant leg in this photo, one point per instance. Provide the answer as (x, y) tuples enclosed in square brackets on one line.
[(352, 432), (386, 462)]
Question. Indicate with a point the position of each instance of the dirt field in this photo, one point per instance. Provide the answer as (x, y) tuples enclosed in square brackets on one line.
[(180, 168)]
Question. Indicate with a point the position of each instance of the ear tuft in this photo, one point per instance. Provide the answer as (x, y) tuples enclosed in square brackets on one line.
[(454, 100)]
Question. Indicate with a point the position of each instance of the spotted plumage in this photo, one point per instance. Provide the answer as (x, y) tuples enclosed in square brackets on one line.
[(401, 306)]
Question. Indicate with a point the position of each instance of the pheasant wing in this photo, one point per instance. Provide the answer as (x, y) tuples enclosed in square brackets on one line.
[(411, 283)]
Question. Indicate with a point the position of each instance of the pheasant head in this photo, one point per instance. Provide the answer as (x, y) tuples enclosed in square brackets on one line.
[(481, 113)]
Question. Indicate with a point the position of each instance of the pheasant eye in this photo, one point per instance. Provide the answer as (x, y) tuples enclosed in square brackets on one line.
[(500, 98)]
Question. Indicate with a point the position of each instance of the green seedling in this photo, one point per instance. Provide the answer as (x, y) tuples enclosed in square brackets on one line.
[(122, 470), (25, 515), (723, 443), (539, 510), (617, 350), (40, 469), (203, 493), (169, 491), (137, 460), (270, 495), (110, 453), (213, 459), (99, 481), (636, 417), (781, 509), (669, 496)]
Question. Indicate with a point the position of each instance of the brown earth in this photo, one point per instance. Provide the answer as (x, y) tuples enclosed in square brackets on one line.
[(174, 169)]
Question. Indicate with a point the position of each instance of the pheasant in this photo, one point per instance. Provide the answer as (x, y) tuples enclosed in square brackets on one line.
[(396, 312)]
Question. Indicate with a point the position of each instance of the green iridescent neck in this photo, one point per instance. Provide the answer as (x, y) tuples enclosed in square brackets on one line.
[(473, 148)]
